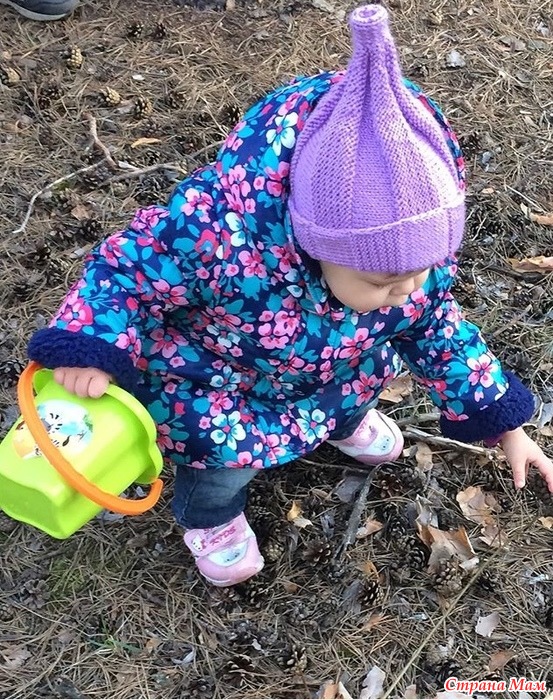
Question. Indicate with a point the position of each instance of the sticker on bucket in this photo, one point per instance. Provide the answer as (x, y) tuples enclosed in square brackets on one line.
[(68, 425)]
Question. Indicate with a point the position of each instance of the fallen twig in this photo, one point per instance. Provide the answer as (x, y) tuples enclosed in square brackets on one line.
[(49, 187), (414, 433), (355, 517), (95, 140)]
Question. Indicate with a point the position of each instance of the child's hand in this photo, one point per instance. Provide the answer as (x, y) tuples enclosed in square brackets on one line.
[(521, 451), (83, 381)]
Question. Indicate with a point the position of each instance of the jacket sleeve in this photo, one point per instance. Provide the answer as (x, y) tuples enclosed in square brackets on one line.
[(163, 262), (447, 354)]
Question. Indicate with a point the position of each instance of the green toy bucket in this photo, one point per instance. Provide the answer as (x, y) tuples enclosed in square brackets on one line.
[(110, 442)]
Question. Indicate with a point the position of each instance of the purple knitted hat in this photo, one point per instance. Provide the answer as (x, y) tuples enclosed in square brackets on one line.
[(374, 185)]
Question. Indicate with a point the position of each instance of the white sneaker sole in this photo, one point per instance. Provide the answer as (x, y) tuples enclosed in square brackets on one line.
[(232, 582)]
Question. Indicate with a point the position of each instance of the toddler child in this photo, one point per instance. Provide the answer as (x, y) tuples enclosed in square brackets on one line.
[(262, 311)]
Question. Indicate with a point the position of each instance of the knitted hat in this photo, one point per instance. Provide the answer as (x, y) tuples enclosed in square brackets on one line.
[(374, 185)]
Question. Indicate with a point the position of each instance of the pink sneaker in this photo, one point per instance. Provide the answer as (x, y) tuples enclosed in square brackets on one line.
[(377, 439), (227, 554)]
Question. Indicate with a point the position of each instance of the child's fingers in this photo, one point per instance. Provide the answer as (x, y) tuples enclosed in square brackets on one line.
[(98, 386), (520, 469), (545, 468), (59, 375), (82, 383)]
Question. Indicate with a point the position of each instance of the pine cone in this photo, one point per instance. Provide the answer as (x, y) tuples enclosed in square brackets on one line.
[(160, 31), (7, 611), (200, 688), (142, 107), (49, 93), (448, 520), (237, 667), (110, 97), (38, 257), (73, 57), (89, 230), (395, 521), (414, 552), (489, 580), (470, 145), (296, 614), (151, 189), (448, 669), (243, 634), (538, 487), (485, 219), (522, 297), (335, 572), (61, 237), (370, 593), (96, 177), (317, 551), (57, 271), (230, 115), (24, 286), (174, 99), (254, 592), (293, 658), (227, 599), (135, 30), (447, 579), (397, 479), (9, 76)]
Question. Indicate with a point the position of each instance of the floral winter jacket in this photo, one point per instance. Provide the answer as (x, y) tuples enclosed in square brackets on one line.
[(210, 313)]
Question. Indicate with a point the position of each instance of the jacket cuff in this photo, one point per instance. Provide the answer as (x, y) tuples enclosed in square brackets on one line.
[(55, 347), (512, 410)]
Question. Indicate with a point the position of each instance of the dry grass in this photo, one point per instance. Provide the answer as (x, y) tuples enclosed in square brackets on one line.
[(117, 610)]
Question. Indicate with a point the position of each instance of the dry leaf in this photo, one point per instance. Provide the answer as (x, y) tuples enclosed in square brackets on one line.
[(493, 535), (230, 5), (410, 693), (294, 516), (546, 431), (374, 620), (373, 684), (547, 522), (540, 263), (81, 212), (486, 625), (397, 389), (542, 219), (15, 657), (369, 528), (478, 505), (499, 659), (290, 587), (144, 141), (423, 456), (369, 569)]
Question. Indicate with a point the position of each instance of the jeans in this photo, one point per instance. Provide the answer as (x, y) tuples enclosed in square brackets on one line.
[(210, 497)]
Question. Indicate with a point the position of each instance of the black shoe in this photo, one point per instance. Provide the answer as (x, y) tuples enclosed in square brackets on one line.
[(42, 10)]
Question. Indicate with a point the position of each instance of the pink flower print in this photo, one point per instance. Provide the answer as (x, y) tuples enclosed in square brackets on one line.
[(166, 341), (245, 459), (269, 340), (236, 174), (266, 316), (163, 439), (286, 323), (111, 248), (253, 263), (224, 318), (205, 423), (75, 313), (283, 133), (218, 402), (354, 347), (449, 414), (415, 309), (207, 244), (147, 219), (275, 184), (312, 425), (259, 183), (129, 339), (364, 387), (481, 370), (172, 296), (196, 200)]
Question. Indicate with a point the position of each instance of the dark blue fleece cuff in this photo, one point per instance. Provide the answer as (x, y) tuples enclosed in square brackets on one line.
[(512, 410), (54, 347)]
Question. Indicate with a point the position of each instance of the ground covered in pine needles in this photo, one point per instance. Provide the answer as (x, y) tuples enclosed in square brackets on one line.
[(449, 571)]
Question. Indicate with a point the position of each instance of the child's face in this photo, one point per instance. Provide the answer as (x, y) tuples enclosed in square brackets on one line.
[(368, 291)]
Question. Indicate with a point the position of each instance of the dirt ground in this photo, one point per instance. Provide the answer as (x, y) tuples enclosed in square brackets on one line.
[(117, 610)]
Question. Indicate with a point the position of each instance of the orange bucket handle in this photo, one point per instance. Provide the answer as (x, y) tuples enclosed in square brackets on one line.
[(25, 396)]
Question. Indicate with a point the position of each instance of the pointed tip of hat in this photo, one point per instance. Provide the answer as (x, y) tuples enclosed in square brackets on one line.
[(369, 18)]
